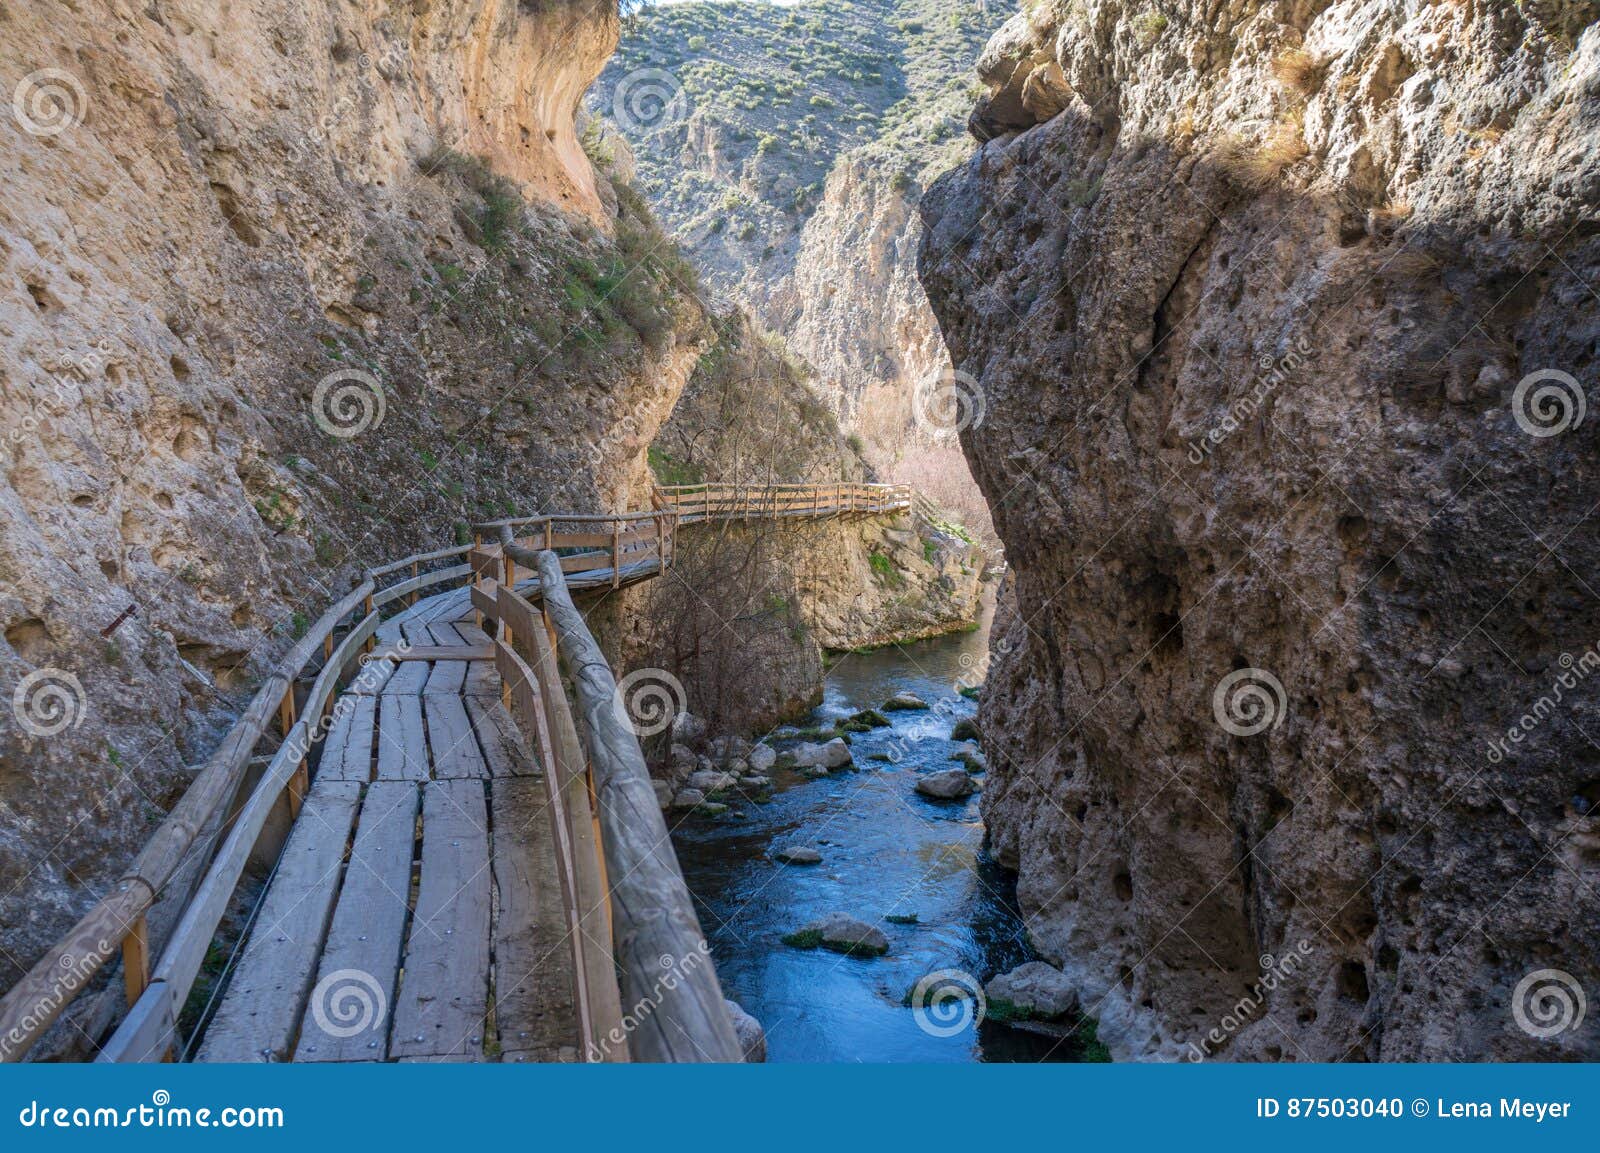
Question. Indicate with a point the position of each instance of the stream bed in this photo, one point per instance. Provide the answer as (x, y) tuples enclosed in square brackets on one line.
[(886, 851)]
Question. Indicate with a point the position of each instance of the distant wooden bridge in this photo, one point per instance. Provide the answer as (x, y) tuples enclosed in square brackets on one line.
[(461, 864)]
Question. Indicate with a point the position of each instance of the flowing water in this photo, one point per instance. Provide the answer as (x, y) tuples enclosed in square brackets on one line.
[(886, 851)]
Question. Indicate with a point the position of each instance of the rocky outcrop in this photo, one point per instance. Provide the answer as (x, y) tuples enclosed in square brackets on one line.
[(289, 290), (1284, 319)]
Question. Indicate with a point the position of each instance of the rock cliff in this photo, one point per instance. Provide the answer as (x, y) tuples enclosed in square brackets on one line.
[(1283, 320), (289, 290)]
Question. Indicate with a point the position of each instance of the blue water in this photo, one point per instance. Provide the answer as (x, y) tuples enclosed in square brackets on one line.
[(886, 850)]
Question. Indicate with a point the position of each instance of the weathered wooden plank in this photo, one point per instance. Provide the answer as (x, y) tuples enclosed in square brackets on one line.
[(147, 1034), (402, 747), (534, 1008), (503, 748), (408, 680), (481, 678), (448, 676), (260, 1015), (347, 749), (444, 996), (362, 955), (451, 739)]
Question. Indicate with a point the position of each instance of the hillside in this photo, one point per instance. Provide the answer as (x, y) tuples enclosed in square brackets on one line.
[(787, 150)]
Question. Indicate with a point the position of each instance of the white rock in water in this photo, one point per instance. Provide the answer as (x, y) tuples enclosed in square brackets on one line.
[(947, 784), (752, 1037), (762, 758), (682, 759), (688, 799), (833, 755), (904, 702), (797, 855), (845, 934), (1036, 989), (663, 794), (711, 781)]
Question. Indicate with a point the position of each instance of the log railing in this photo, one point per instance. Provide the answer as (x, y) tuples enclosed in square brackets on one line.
[(719, 501), (678, 1012)]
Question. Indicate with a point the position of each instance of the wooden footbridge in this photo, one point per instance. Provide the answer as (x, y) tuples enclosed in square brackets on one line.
[(458, 864)]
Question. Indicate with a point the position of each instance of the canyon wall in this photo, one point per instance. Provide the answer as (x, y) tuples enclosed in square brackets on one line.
[(1283, 318), (289, 290)]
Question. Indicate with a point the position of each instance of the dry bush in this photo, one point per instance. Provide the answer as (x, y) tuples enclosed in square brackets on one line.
[(1299, 71), (1255, 168)]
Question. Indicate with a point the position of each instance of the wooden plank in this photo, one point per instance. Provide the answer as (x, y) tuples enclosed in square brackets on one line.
[(402, 747), (451, 740), (503, 748), (448, 676), (481, 678), (534, 1009), (347, 749), (147, 1034), (409, 679), (260, 1015), (444, 994), (362, 954), (438, 653)]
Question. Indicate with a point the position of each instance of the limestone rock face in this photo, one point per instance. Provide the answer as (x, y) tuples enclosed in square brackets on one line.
[(283, 299), (1261, 319)]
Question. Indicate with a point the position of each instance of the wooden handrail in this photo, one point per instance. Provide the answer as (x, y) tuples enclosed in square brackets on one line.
[(654, 918), (32, 1005)]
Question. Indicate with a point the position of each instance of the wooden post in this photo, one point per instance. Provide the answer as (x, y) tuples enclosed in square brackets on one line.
[(616, 554), (416, 571), (549, 533), (661, 543), (136, 960), (299, 782), (372, 640)]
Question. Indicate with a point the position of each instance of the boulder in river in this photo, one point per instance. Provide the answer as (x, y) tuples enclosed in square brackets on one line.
[(710, 781), (762, 758), (833, 755), (947, 785), (663, 794), (688, 799), (752, 1037), (905, 703), (871, 718), (682, 758), (966, 730), (842, 934), (1035, 991), (972, 759), (797, 855)]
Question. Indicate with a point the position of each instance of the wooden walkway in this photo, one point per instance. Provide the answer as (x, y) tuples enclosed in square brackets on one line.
[(416, 895), (468, 866)]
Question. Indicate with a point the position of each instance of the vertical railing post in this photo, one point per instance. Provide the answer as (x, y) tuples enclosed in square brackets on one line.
[(416, 571), (616, 554), (136, 960), (299, 781), (369, 607)]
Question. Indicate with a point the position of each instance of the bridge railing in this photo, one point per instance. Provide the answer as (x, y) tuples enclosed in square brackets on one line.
[(198, 852), (722, 501), (623, 545)]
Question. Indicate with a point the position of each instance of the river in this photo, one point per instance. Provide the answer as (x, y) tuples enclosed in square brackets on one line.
[(886, 851)]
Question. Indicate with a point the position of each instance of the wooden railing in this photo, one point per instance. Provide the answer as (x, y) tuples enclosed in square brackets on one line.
[(718, 501), (184, 841), (623, 545)]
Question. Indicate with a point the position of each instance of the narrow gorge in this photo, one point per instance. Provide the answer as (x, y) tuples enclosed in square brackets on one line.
[(820, 530)]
